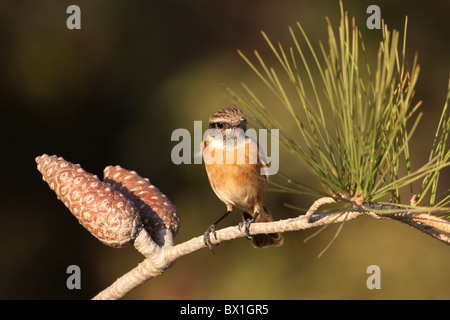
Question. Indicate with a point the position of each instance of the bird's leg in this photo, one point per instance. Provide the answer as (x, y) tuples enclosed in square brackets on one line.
[(248, 220), (212, 229)]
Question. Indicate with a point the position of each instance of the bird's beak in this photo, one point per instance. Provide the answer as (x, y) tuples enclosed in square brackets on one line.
[(243, 123)]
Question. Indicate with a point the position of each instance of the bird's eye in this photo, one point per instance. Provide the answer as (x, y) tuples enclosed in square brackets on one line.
[(216, 125)]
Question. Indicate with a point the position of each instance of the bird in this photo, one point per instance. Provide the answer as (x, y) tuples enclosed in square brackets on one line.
[(235, 164)]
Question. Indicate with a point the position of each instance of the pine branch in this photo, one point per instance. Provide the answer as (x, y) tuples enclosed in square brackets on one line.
[(160, 258), (356, 120), (126, 209)]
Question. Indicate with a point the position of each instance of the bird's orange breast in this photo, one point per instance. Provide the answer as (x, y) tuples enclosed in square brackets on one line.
[(236, 180)]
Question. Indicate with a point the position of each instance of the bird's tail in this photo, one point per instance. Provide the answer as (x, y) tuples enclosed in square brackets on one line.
[(265, 240)]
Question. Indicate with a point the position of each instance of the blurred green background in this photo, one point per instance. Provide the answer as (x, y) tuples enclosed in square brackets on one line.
[(113, 92)]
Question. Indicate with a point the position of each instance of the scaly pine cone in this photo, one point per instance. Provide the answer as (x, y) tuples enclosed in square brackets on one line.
[(104, 212), (156, 211)]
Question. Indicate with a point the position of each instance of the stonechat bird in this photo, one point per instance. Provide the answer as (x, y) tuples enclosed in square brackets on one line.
[(235, 167)]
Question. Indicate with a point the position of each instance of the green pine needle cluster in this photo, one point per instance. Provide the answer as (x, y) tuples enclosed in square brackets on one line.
[(356, 120)]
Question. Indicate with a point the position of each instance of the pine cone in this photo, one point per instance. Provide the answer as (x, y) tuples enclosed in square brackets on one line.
[(156, 210), (104, 212)]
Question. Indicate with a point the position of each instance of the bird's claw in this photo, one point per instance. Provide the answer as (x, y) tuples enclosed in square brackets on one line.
[(207, 237), (246, 224)]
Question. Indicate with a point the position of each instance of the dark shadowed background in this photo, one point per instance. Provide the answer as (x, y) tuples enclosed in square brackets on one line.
[(113, 92)]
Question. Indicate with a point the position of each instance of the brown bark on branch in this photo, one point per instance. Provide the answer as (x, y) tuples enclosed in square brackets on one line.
[(160, 258), (126, 208)]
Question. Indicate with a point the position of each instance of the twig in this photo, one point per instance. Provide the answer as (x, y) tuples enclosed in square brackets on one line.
[(427, 223), (158, 259), (151, 267)]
